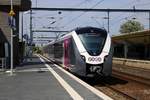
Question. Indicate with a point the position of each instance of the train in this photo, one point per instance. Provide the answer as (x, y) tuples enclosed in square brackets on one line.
[(84, 51)]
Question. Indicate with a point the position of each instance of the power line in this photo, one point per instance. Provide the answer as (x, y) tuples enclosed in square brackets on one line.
[(125, 5), (121, 19), (91, 10), (143, 4), (132, 2), (71, 11), (82, 14), (77, 5)]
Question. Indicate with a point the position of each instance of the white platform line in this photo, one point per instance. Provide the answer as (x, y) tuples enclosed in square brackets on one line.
[(66, 86), (33, 70), (95, 91)]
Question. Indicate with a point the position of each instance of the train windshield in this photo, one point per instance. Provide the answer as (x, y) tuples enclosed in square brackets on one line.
[(93, 41)]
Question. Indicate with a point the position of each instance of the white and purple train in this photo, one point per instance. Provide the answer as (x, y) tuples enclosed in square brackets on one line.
[(84, 51)]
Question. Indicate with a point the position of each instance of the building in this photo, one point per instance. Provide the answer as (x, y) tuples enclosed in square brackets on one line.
[(5, 30)]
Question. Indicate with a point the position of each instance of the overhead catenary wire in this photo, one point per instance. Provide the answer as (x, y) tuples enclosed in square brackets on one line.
[(81, 3), (115, 17), (91, 8), (128, 4), (121, 20), (77, 5), (82, 13), (143, 4), (133, 4), (75, 18)]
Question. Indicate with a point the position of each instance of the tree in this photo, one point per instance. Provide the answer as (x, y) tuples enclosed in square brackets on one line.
[(37, 50), (131, 26)]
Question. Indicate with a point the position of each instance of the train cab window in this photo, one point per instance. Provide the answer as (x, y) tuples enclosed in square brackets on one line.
[(93, 41)]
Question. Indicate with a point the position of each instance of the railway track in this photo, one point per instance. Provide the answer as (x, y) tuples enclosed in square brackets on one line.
[(121, 86), (114, 93), (127, 76), (125, 87)]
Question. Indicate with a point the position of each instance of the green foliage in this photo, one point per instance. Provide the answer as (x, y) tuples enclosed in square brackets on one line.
[(37, 50), (131, 26)]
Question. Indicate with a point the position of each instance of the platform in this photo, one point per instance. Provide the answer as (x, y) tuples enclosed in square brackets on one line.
[(39, 79)]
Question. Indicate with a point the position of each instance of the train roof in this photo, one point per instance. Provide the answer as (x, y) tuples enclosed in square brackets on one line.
[(89, 29), (79, 30)]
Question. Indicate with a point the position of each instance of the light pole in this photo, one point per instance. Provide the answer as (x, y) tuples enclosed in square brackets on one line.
[(22, 27), (107, 22), (31, 34), (30, 38), (149, 19), (11, 13), (36, 3)]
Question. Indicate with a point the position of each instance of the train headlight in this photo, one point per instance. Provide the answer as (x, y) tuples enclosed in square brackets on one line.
[(83, 57), (105, 58)]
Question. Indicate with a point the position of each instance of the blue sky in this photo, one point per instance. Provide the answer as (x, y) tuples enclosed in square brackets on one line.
[(69, 20), (88, 3)]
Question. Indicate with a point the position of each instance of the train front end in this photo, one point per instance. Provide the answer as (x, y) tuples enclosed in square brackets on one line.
[(95, 51)]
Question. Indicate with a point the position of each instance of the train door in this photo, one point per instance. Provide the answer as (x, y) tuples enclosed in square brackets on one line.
[(66, 53)]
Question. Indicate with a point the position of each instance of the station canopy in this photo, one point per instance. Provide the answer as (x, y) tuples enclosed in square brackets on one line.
[(140, 37)]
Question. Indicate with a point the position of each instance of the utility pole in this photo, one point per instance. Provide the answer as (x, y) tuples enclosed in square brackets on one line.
[(22, 27), (36, 3), (31, 34), (108, 21), (11, 13), (149, 20)]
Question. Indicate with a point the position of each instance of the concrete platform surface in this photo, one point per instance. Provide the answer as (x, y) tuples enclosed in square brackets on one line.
[(41, 80)]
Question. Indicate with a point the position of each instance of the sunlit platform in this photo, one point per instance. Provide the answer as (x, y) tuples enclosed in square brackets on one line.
[(39, 79)]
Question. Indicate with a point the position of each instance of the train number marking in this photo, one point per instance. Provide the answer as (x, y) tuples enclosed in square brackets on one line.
[(94, 59)]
